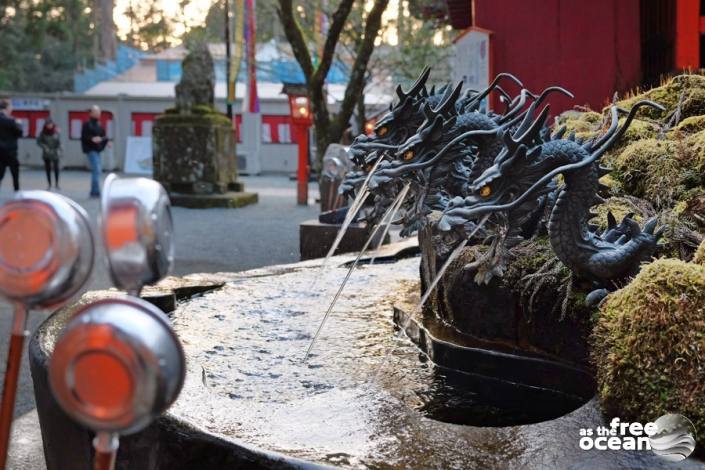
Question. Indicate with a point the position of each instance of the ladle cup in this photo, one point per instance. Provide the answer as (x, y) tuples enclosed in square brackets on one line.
[(117, 366)]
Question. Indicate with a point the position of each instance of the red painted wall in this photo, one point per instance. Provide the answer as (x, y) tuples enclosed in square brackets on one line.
[(592, 48), (687, 34)]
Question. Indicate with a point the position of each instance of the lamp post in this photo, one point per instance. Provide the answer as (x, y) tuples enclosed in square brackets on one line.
[(300, 109)]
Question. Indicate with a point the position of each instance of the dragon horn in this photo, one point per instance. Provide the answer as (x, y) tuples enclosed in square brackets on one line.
[(481, 96), (533, 131), (448, 104), (527, 120), (428, 112), (505, 98), (420, 82), (400, 93), (516, 106)]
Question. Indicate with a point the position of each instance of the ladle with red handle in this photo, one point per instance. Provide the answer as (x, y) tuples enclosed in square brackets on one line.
[(46, 256)]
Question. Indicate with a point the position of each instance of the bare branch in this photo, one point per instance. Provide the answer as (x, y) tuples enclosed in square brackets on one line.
[(295, 36), (359, 68), (339, 19)]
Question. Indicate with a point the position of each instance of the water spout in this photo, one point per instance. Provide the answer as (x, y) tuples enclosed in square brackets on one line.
[(390, 210)]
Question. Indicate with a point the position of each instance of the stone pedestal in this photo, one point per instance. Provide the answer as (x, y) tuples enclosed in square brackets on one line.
[(316, 238), (194, 160)]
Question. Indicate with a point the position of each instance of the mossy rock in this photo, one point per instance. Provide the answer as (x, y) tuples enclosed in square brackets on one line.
[(637, 131), (620, 206), (650, 169), (207, 119), (694, 153), (687, 126), (699, 257), (669, 95), (614, 187), (692, 206), (585, 124), (203, 109), (648, 346), (693, 103)]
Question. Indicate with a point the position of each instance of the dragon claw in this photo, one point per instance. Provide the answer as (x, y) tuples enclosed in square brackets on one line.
[(650, 225), (611, 221)]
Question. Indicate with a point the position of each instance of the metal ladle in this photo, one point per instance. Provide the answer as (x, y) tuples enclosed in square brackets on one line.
[(137, 231), (119, 364), (117, 367), (46, 256)]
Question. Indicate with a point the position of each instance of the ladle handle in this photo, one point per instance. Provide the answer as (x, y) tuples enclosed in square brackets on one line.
[(106, 445), (12, 373)]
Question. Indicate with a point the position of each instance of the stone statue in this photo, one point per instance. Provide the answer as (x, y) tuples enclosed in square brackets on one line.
[(197, 80), (193, 143)]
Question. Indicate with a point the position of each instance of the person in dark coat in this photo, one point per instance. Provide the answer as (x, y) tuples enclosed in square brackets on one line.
[(10, 132), (50, 143), (93, 142)]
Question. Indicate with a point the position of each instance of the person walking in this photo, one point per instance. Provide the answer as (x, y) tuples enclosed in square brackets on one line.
[(93, 142), (10, 132), (50, 143)]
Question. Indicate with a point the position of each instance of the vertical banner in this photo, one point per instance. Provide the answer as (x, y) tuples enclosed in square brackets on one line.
[(238, 39), (251, 103)]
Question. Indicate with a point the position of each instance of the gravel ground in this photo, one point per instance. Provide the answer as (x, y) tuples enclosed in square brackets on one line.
[(207, 240)]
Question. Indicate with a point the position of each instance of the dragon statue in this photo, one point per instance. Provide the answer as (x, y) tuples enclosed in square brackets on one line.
[(524, 168), (412, 115), (450, 150)]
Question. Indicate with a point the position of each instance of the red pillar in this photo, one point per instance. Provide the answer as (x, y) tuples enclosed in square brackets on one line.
[(687, 34), (302, 170)]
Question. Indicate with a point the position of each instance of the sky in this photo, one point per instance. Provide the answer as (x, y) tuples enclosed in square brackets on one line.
[(196, 11)]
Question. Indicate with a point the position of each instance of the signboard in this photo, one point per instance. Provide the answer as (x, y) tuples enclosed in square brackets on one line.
[(471, 62), (30, 104), (138, 156)]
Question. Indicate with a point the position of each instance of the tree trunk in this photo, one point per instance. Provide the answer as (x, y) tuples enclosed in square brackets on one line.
[(360, 115), (107, 45)]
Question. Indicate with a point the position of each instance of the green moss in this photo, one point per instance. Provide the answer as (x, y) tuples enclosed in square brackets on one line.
[(619, 206), (689, 125), (211, 119), (584, 124), (638, 130), (694, 154), (203, 109), (669, 95), (648, 346), (527, 258), (699, 257), (613, 185), (650, 169)]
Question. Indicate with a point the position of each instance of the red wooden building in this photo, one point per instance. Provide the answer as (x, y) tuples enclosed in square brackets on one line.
[(593, 48)]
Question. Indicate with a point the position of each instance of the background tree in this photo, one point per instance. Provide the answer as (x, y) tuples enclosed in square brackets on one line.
[(329, 126), (107, 43), (44, 43)]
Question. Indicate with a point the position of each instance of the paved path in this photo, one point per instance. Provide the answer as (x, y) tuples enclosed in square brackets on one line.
[(207, 240)]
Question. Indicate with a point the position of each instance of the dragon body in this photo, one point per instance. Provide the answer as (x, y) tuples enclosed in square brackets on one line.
[(527, 165)]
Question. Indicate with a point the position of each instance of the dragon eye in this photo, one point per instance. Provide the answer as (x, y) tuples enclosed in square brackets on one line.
[(485, 191), (408, 155), (381, 131)]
